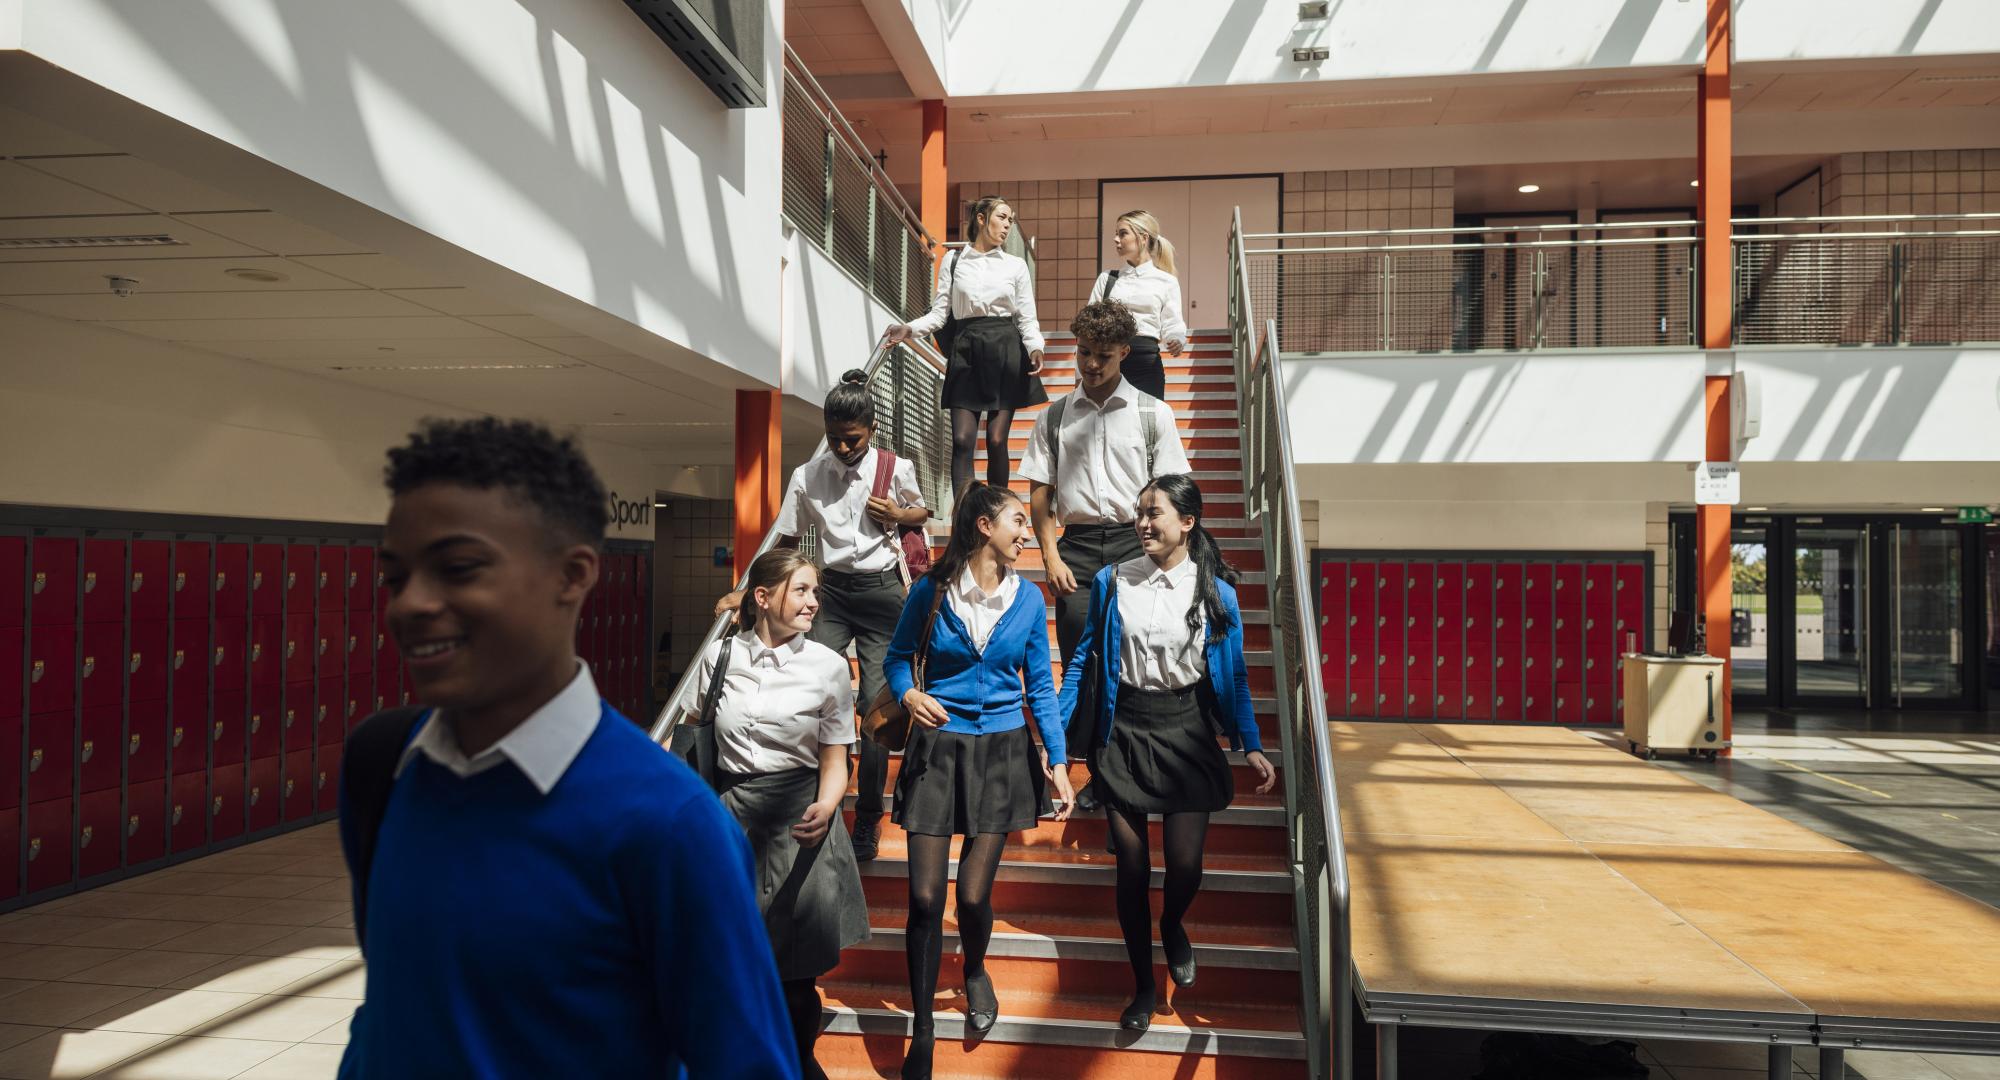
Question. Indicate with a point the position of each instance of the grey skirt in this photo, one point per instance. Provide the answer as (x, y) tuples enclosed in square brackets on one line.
[(810, 896)]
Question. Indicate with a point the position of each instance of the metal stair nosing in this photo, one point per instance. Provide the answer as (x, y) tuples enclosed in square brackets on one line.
[(1096, 949), (1058, 873), (1271, 817), (1053, 1031)]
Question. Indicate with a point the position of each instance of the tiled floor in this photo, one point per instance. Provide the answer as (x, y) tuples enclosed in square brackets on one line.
[(241, 964)]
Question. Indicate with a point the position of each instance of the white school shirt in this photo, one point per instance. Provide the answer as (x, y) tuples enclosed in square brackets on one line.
[(1153, 296), (978, 609), (1157, 649), (990, 284), (778, 706), (832, 497), (543, 747), (1102, 466)]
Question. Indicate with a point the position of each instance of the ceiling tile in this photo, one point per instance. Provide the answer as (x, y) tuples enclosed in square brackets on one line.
[(294, 352), (26, 192), (522, 326), (22, 135), (584, 348), (833, 21), (159, 275), (856, 47), (454, 301), (142, 182), (273, 232), (102, 306), (376, 271)]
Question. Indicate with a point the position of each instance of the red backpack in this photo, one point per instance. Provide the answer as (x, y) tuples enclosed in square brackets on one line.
[(911, 538)]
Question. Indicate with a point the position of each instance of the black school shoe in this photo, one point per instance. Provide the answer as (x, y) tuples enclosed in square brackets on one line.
[(867, 838)]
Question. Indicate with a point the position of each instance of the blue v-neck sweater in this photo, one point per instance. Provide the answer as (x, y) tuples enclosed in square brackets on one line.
[(981, 690), (608, 928)]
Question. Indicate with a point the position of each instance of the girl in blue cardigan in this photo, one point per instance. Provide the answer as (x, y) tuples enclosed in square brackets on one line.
[(1156, 678), (971, 768)]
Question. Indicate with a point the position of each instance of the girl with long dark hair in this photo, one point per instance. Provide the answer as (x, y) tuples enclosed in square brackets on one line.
[(994, 359), (971, 768), (1163, 648)]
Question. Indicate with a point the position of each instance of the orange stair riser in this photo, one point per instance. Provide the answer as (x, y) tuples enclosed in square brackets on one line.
[(854, 1057), (1033, 907), (1085, 832)]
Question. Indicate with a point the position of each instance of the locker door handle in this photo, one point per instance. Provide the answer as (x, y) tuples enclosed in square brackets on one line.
[(255, 794), (351, 641), (322, 782), (84, 840), (132, 746), (1500, 621), (1528, 623), (256, 722), (221, 651), (35, 675), (322, 579), (89, 666), (138, 580), (177, 737), (177, 814), (1412, 621), (288, 789), (351, 703), (41, 581), (353, 578), (132, 825), (180, 580), (34, 848), (320, 718), (136, 658), (218, 731), (1559, 624), (221, 580), (89, 748), (1468, 622), (256, 653), (1531, 661), (291, 578), (322, 646), (256, 580), (215, 808), (288, 718), (34, 760), (1353, 620), (180, 657), (89, 581), (291, 648)]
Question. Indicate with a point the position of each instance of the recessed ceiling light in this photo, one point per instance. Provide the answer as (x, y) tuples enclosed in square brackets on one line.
[(1528, 189), (1957, 78), (1362, 103), (43, 243), (1756, 509), (1694, 183), (245, 273), (1933, 510)]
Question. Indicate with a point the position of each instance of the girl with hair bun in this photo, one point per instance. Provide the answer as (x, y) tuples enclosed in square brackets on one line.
[(855, 498), (1146, 285), (1163, 650)]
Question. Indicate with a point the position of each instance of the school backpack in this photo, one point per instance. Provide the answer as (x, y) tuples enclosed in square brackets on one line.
[(915, 545)]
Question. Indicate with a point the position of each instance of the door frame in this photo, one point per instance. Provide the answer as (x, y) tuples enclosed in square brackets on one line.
[(1189, 178)]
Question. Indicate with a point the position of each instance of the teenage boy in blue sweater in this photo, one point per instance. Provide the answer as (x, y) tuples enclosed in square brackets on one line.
[(548, 892)]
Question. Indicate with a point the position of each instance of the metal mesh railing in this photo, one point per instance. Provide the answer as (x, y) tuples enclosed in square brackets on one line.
[(1873, 280), (1317, 850), (841, 200), (1477, 290), (906, 382)]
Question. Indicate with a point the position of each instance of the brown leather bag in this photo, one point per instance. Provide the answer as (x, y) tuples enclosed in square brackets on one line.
[(888, 722)]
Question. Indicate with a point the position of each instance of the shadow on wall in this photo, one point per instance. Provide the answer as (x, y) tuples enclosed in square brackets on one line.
[(572, 170)]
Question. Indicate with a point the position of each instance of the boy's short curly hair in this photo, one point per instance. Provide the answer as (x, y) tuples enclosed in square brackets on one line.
[(521, 456), (1103, 324)]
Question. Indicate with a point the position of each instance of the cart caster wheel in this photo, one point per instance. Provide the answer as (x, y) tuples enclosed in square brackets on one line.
[(1711, 755), (1631, 747), (1694, 754), (1652, 754)]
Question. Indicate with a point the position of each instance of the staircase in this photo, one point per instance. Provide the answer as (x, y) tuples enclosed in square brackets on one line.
[(1057, 959)]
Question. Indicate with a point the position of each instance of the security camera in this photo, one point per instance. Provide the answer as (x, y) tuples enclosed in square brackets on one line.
[(123, 286)]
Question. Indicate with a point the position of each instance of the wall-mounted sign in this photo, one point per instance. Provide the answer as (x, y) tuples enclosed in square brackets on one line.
[(1717, 483), (1974, 515)]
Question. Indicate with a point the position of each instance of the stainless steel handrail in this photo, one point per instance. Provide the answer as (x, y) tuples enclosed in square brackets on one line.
[(675, 706), (1257, 358), (1604, 226), (1496, 245), (856, 147)]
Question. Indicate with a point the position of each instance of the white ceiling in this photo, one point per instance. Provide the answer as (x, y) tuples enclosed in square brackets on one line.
[(836, 37), (341, 311)]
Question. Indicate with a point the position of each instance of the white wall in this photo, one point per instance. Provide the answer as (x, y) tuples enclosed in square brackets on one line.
[(98, 419), (1842, 29), (1877, 404), (831, 322), (916, 33), (559, 140)]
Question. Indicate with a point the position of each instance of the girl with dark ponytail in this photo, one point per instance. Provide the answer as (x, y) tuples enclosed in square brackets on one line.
[(1157, 677)]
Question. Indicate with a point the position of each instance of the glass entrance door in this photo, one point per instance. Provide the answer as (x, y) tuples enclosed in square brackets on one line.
[(1750, 613), (1927, 615), (1829, 612)]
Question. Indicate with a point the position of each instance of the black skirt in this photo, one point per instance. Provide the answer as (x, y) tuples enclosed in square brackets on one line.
[(1163, 757), (954, 783), (1143, 368), (988, 368)]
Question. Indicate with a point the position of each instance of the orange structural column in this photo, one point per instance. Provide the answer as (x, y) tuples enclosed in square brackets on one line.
[(1714, 318), (758, 453), (932, 205)]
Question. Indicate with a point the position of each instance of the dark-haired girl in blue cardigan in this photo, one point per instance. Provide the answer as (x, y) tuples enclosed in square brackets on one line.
[(971, 768), (1157, 677)]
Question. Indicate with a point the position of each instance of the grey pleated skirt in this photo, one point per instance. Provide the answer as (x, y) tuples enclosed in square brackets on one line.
[(810, 896), (1163, 757), (954, 783)]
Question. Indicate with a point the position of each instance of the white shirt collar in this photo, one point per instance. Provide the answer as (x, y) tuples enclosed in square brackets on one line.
[(543, 747), (755, 649), (975, 253), (970, 592), (1144, 269), (1171, 579), (1122, 394)]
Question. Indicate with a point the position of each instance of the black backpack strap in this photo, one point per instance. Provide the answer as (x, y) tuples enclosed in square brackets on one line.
[(368, 775), (705, 752)]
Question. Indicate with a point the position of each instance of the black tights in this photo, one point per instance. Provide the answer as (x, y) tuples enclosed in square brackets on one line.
[(965, 440), (802, 1004), (930, 858), (1183, 835)]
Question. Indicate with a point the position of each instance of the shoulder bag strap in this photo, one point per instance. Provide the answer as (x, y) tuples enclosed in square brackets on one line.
[(1149, 422), (369, 774), (885, 472), (712, 698), (921, 665), (1055, 435)]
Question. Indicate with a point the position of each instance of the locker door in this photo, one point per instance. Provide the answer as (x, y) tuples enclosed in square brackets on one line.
[(48, 844), (1538, 696), (1391, 634), (1479, 672), (187, 818), (1569, 637), (300, 580), (330, 644), (297, 793), (97, 833), (388, 661), (229, 729), (266, 723), (13, 658), (332, 578), (329, 723), (326, 780), (1599, 642), (147, 740), (148, 661), (13, 599), (51, 668), (193, 575), (1508, 595), (1629, 611), (225, 803), (232, 580), (101, 664), (51, 754), (297, 728), (360, 700), (267, 579), (1361, 605), (151, 582), (103, 581), (145, 822), (10, 844), (52, 587), (101, 758), (10, 771), (360, 578), (267, 650), (1450, 676), (231, 655), (263, 797), (300, 643), (360, 641), (190, 695)]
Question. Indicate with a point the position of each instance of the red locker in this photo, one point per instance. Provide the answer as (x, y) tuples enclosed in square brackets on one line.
[(360, 641), (52, 587), (51, 668), (266, 723), (232, 580), (13, 606), (330, 643), (10, 848), (48, 844), (297, 792), (1630, 613), (1597, 595), (360, 700), (332, 580), (51, 751), (388, 661), (1569, 704), (229, 729), (147, 739), (191, 663), (361, 578), (97, 833), (329, 724), (13, 646), (101, 664), (231, 655), (1538, 702), (300, 581), (1509, 685), (301, 644), (145, 822), (148, 661), (10, 769), (1420, 610), (1421, 700), (103, 581), (151, 580), (193, 570), (267, 650), (297, 729), (187, 819), (1420, 680), (100, 760), (326, 780), (1508, 593), (263, 797), (1333, 635), (267, 579), (1538, 600), (225, 803)]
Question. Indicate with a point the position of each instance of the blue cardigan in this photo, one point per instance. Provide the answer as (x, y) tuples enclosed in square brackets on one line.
[(981, 691), (1223, 659)]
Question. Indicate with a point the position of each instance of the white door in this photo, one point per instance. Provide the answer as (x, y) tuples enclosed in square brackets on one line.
[(1195, 216)]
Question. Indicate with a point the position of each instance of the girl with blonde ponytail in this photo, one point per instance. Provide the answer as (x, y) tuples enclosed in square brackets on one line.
[(1146, 285)]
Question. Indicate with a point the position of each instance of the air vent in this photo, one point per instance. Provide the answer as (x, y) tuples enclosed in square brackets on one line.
[(58, 243), (721, 41)]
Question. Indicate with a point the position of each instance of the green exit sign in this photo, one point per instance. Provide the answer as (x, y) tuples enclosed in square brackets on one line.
[(1974, 515)]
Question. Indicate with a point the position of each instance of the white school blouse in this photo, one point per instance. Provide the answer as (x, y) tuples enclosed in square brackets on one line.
[(992, 283), (1101, 467), (832, 497), (778, 706), (978, 609), (1153, 296), (1158, 650)]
